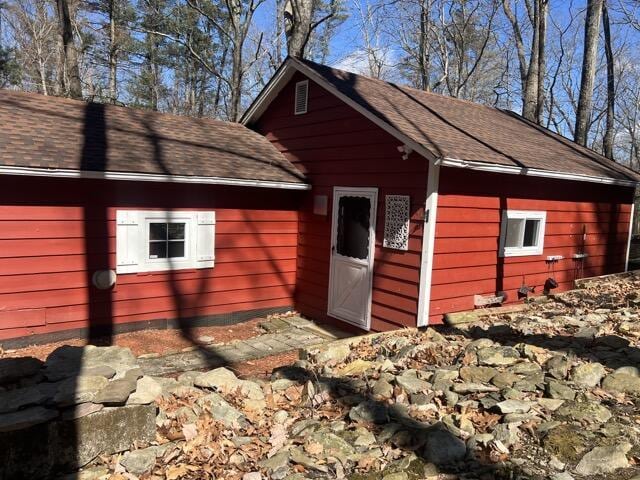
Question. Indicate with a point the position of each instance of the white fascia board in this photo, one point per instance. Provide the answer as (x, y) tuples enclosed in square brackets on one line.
[(282, 77), (533, 172), (148, 177)]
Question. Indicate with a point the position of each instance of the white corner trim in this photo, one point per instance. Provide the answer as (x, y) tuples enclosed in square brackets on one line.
[(428, 244), (533, 172), (148, 177), (626, 260), (282, 77)]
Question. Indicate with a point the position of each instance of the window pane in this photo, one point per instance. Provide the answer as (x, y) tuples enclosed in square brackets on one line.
[(531, 228), (353, 227), (158, 250), (176, 249), (514, 229), (176, 231), (157, 231)]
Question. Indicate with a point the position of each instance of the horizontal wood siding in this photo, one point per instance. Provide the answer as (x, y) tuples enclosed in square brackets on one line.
[(466, 260), (336, 146), (55, 233)]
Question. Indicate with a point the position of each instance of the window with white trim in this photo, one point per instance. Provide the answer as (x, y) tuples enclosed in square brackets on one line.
[(151, 240), (522, 233), (302, 97)]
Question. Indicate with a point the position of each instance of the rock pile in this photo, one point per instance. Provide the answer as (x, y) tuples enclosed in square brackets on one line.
[(76, 392), (550, 393)]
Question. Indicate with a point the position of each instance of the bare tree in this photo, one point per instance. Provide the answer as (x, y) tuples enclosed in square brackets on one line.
[(607, 142), (589, 63), (71, 77)]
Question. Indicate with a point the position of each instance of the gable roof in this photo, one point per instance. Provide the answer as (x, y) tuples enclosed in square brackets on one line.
[(54, 136), (456, 132)]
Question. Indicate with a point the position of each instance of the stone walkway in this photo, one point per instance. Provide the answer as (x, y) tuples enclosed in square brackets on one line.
[(284, 335)]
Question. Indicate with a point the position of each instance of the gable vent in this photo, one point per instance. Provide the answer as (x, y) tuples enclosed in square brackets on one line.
[(302, 94)]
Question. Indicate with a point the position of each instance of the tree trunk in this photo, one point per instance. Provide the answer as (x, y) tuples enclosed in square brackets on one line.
[(74, 86), (607, 142), (585, 100), (298, 18), (235, 98), (424, 61), (113, 54), (530, 94), (542, 67)]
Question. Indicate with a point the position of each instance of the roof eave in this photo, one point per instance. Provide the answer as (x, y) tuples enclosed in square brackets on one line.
[(534, 172), (149, 177)]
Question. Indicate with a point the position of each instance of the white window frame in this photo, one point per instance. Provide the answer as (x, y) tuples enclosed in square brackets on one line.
[(522, 215), (132, 240), (306, 97)]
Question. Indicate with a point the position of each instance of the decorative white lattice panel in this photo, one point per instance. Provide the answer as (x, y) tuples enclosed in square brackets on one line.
[(396, 222)]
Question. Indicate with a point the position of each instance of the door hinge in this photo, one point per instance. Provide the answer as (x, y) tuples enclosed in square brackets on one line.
[(426, 216)]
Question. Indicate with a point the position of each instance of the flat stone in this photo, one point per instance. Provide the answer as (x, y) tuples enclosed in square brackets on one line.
[(13, 369), (551, 404), (222, 411), (69, 361), (333, 445), (382, 388), (116, 392), (603, 460), (225, 381), (410, 382), (81, 389), (514, 406), (147, 390), (12, 400), (504, 379), (621, 383), (498, 356), (355, 368), (369, 411), (25, 418), (81, 410), (590, 412), (558, 367), (442, 447), (332, 355), (465, 388), (278, 462), (140, 461), (474, 374), (588, 374), (559, 390)]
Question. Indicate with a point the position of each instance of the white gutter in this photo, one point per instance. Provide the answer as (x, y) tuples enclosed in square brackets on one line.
[(532, 172), (148, 177)]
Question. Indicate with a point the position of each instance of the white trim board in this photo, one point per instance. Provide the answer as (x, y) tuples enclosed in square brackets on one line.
[(626, 260), (428, 244), (148, 177)]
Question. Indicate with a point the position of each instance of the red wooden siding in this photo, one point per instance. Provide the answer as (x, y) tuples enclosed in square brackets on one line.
[(336, 146), (466, 260), (55, 233)]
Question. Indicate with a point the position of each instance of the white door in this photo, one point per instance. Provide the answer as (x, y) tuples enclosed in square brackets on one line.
[(352, 249)]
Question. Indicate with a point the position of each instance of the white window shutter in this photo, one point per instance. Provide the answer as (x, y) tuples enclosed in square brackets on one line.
[(205, 239), (127, 241)]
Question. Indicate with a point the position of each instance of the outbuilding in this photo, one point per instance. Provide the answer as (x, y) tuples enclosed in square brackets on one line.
[(423, 205), (349, 199)]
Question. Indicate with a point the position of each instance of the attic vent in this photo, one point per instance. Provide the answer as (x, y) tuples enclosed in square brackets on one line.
[(302, 93)]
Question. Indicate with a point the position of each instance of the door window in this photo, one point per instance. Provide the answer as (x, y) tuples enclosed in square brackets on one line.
[(353, 227)]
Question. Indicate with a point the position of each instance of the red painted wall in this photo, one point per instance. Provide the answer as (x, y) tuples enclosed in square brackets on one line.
[(466, 260), (54, 233), (336, 146)]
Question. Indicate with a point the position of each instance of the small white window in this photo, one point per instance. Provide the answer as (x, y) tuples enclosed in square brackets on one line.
[(522, 233), (302, 95), (150, 240)]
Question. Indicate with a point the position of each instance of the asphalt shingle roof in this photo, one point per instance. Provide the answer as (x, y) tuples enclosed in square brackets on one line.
[(462, 130), (58, 133)]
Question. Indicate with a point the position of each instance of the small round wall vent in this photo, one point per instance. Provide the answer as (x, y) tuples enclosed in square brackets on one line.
[(104, 279)]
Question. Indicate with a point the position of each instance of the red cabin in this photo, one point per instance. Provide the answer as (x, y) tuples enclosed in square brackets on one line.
[(347, 198)]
